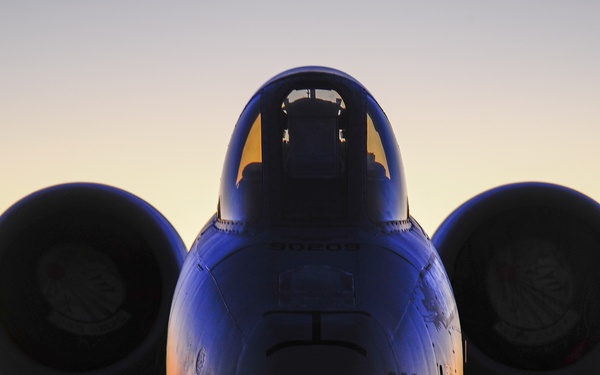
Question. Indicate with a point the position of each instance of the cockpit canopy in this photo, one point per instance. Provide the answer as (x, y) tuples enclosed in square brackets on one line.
[(313, 145)]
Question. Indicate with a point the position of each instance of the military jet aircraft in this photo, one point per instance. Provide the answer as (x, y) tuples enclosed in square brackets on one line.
[(311, 265)]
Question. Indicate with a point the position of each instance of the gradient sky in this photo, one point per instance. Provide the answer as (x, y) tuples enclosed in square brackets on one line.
[(143, 95)]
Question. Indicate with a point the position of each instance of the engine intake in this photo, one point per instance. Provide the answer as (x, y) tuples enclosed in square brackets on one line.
[(87, 274), (523, 260)]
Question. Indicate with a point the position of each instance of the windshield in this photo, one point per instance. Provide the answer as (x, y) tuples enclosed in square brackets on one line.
[(386, 186), (240, 196), (304, 151), (314, 154)]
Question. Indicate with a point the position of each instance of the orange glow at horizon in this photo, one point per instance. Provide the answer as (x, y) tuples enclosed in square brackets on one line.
[(146, 98)]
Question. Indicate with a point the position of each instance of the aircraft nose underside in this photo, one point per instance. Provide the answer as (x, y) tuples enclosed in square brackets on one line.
[(336, 307), (317, 342)]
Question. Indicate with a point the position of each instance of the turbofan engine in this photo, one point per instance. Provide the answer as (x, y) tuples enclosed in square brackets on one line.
[(524, 263), (87, 274)]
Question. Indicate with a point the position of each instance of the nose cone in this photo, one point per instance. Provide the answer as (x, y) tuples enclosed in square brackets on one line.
[(305, 342)]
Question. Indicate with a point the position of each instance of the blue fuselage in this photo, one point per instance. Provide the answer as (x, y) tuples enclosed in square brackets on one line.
[(314, 300)]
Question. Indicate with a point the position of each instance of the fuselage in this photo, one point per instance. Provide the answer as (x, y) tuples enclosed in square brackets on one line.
[(312, 264), (314, 301)]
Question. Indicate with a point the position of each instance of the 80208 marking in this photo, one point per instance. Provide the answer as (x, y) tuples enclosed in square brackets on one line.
[(314, 246)]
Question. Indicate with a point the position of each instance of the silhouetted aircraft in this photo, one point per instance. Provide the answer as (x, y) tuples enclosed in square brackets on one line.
[(311, 265)]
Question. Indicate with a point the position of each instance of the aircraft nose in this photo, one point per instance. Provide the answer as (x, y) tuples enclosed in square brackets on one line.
[(317, 359), (317, 342)]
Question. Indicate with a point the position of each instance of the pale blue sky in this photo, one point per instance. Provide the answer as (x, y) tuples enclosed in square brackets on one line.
[(143, 95)]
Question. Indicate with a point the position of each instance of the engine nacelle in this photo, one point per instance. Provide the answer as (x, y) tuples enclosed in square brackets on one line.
[(524, 261), (87, 274)]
